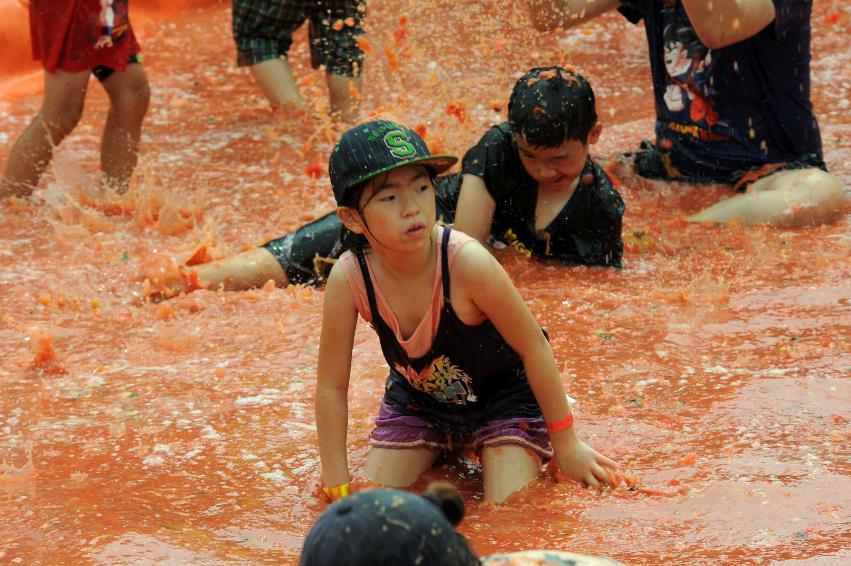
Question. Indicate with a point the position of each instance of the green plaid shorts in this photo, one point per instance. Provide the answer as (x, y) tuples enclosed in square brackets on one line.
[(263, 30)]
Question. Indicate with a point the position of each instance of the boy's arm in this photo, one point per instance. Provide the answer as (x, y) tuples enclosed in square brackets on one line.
[(474, 214), (547, 15), (486, 284), (339, 317), (724, 22)]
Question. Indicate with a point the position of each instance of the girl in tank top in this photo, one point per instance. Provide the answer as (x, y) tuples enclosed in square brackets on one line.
[(469, 364)]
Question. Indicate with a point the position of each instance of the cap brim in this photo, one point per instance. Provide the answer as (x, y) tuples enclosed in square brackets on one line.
[(439, 163)]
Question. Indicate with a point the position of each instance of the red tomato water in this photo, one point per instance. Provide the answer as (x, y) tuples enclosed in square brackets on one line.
[(714, 367)]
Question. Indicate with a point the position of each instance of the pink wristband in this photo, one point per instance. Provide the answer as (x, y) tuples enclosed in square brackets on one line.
[(561, 425)]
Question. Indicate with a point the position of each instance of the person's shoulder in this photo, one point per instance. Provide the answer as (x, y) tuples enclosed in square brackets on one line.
[(495, 159), (346, 260), (344, 274), (499, 135), (457, 240), (469, 261)]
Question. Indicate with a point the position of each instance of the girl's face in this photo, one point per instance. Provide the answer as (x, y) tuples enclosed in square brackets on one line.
[(556, 168), (397, 210)]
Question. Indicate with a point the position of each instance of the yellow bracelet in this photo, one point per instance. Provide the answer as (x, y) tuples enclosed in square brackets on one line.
[(337, 492)]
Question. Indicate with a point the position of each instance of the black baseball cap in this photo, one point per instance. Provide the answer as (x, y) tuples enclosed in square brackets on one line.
[(377, 147), (385, 527)]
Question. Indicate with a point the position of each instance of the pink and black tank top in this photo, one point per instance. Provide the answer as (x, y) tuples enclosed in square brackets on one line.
[(468, 376)]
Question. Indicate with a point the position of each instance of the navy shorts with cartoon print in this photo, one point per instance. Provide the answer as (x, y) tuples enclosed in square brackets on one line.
[(651, 163)]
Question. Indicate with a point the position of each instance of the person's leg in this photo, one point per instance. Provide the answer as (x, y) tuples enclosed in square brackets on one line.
[(301, 257), (506, 469), (795, 197), (334, 45), (262, 31), (61, 110), (398, 467), (245, 270), (277, 82), (343, 103), (129, 95), (402, 447)]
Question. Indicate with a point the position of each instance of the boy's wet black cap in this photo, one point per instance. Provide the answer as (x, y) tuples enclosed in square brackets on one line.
[(377, 147), (550, 105), (385, 527)]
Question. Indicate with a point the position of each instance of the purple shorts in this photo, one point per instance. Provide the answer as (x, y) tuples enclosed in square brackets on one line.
[(394, 429)]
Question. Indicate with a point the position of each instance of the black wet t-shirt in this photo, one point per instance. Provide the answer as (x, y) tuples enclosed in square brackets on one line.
[(586, 231)]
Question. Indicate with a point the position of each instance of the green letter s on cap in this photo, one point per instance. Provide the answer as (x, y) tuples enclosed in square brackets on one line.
[(400, 147)]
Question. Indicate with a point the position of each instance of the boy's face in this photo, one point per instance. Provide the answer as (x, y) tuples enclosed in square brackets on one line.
[(556, 168)]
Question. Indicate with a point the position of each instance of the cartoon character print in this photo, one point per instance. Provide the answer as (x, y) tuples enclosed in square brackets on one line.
[(441, 379), (688, 62)]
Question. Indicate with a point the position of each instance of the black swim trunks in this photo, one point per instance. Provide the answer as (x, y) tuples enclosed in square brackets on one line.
[(102, 72)]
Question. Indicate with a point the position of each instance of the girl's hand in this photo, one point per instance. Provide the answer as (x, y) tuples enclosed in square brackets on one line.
[(585, 465)]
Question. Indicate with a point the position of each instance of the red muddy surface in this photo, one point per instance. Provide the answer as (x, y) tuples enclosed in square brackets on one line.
[(714, 367)]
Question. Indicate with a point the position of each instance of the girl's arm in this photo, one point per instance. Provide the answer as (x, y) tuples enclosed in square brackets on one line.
[(339, 317), (474, 214), (485, 283)]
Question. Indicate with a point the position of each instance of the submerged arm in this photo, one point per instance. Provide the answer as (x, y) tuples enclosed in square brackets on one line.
[(339, 318)]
